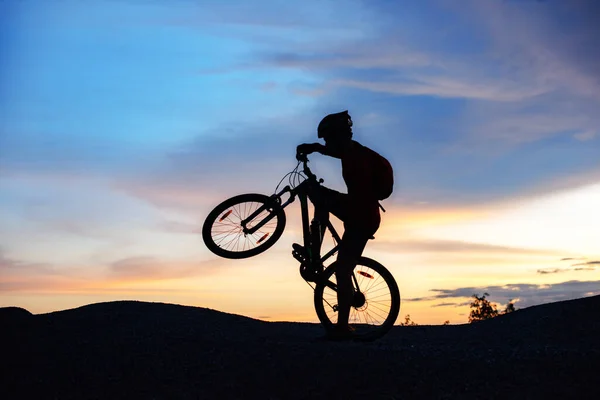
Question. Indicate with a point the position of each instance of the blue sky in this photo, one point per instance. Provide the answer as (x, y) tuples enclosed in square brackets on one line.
[(122, 123)]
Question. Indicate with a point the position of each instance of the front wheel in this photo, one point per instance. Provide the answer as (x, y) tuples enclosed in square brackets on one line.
[(224, 234), (376, 301)]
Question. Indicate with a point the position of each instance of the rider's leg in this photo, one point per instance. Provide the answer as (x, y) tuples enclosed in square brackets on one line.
[(326, 201), (351, 247), (322, 217)]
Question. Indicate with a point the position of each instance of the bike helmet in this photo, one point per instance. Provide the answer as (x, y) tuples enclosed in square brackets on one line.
[(335, 124)]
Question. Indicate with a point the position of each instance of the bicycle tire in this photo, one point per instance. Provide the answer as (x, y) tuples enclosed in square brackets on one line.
[(363, 331), (226, 210)]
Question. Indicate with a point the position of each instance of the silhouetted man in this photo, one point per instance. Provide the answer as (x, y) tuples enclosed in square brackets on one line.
[(359, 209)]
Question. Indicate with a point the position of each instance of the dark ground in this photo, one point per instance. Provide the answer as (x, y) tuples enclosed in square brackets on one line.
[(125, 350)]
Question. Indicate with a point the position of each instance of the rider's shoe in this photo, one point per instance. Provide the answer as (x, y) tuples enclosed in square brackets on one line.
[(298, 247), (338, 333)]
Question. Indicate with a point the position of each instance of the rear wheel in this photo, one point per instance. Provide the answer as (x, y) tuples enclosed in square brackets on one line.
[(223, 232), (375, 305)]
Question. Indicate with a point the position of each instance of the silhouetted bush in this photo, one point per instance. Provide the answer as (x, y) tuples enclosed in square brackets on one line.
[(482, 309), (407, 321)]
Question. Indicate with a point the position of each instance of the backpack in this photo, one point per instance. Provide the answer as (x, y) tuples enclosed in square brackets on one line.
[(384, 175)]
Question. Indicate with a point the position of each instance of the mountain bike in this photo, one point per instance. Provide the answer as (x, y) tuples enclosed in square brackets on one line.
[(246, 225)]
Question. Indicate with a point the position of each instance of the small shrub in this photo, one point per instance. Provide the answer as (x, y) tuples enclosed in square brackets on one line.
[(407, 321), (482, 309)]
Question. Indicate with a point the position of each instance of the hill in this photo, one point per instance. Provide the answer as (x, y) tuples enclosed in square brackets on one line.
[(128, 349)]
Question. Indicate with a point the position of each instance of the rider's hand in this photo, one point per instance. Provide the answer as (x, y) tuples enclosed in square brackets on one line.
[(305, 149)]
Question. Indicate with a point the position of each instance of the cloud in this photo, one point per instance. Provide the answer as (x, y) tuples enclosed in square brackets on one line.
[(13, 266), (149, 268), (585, 136), (588, 263), (523, 58), (531, 120), (453, 246), (22, 276), (527, 294), (403, 70), (552, 39), (36, 284), (364, 55), (401, 61), (119, 275), (546, 45), (440, 86), (449, 304), (551, 271), (556, 270)]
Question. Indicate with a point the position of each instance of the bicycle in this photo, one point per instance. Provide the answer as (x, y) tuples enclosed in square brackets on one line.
[(248, 224)]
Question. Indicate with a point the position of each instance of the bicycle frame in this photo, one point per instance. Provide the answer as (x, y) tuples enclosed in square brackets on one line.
[(299, 191)]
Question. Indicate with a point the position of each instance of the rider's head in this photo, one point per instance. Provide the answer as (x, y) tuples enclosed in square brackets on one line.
[(336, 129)]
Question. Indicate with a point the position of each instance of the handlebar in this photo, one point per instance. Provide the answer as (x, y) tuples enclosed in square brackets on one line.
[(307, 170), (304, 159)]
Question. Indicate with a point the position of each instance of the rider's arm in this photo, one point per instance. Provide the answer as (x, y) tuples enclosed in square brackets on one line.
[(326, 151), (308, 148)]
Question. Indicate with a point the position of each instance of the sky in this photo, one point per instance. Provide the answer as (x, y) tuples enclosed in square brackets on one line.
[(124, 122)]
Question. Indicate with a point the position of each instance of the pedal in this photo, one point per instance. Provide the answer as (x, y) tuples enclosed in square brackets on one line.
[(298, 256), (299, 252)]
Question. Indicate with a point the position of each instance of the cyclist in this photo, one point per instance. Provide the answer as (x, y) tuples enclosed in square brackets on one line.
[(359, 209)]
